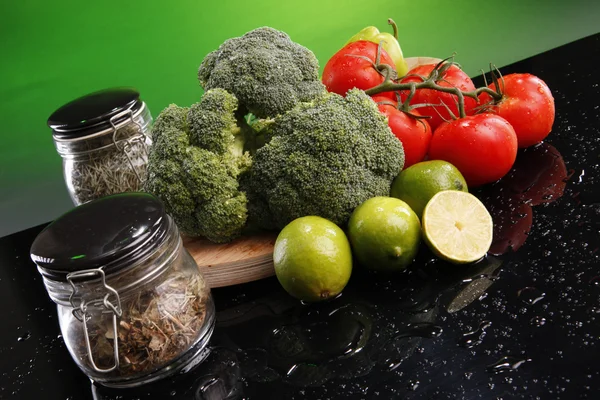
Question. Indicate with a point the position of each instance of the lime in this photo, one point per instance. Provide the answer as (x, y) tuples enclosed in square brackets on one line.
[(457, 227), (384, 233), (312, 258), (417, 184)]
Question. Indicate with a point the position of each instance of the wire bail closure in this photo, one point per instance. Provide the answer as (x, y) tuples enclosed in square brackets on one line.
[(80, 311), (126, 149)]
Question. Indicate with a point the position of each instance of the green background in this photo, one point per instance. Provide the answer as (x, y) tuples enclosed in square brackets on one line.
[(55, 51)]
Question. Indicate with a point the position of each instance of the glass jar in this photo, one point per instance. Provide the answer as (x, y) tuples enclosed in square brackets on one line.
[(103, 139), (133, 307)]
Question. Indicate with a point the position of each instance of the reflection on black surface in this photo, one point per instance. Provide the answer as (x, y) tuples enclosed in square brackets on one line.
[(539, 176), (375, 326)]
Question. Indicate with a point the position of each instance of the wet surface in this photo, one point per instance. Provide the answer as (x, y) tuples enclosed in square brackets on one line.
[(523, 323)]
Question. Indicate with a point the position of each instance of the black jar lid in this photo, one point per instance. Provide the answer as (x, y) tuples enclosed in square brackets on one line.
[(93, 112), (112, 232)]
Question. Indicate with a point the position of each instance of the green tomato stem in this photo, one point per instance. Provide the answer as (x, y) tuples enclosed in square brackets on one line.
[(394, 27), (388, 85)]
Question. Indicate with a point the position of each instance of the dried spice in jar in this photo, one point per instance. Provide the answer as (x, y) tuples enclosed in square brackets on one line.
[(103, 138), (132, 304), (158, 324)]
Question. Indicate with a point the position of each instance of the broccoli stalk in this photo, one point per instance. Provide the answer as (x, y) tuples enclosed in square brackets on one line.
[(194, 165)]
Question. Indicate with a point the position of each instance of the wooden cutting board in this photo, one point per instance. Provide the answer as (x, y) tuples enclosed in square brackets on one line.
[(243, 260)]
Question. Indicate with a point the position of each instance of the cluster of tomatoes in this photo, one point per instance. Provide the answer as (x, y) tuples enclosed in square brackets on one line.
[(516, 111)]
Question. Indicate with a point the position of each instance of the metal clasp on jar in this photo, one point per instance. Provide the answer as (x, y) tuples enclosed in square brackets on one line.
[(126, 149), (80, 311)]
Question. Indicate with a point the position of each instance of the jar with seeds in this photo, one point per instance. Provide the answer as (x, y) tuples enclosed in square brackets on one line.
[(103, 139), (132, 305)]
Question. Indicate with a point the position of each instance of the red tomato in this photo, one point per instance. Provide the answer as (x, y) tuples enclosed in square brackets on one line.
[(483, 147), (378, 98), (415, 135), (453, 77), (527, 104), (343, 71)]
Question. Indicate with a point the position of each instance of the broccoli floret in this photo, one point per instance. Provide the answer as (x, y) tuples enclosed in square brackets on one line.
[(265, 70), (324, 158), (213, 126), (194, 165), (174, 117)]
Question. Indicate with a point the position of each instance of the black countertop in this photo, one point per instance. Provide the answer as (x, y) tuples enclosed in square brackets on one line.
[(520, 324)]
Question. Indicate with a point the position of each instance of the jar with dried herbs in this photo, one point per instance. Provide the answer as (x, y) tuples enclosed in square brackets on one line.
[(133, 307), (103, 138)]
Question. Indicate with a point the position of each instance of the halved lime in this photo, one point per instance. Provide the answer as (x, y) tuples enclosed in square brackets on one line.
[(457, 227)]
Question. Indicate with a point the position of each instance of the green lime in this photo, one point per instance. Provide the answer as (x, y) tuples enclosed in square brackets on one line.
[(457, 227), (384, 233), (417, 184), (312, 258)]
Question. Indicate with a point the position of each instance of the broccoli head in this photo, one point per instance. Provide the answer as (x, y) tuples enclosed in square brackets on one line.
[(194, 164), (324, 158), (265, 70)]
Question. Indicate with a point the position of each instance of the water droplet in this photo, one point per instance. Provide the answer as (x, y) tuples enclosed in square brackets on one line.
[(481, 276), (291, 370), (531, 295), (505, 364), (413, 384), (538, 321), (213, 388), (24, 337), (474, 338), (425, 330)]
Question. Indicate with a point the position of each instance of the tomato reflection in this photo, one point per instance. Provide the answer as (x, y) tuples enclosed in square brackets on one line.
[(539, 176)]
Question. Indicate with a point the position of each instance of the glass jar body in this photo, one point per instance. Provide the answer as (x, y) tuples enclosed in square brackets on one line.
[(109, 161), (166, 319)]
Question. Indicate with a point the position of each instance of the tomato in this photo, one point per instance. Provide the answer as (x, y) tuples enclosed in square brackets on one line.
[(378, 98), (483, 147), (527, 104), (343, 71), (539, 175), (452, 77), (414, 134)]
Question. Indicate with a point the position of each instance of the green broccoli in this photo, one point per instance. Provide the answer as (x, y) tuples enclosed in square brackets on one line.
[(265, 70), (324, 158), (194, 164)]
